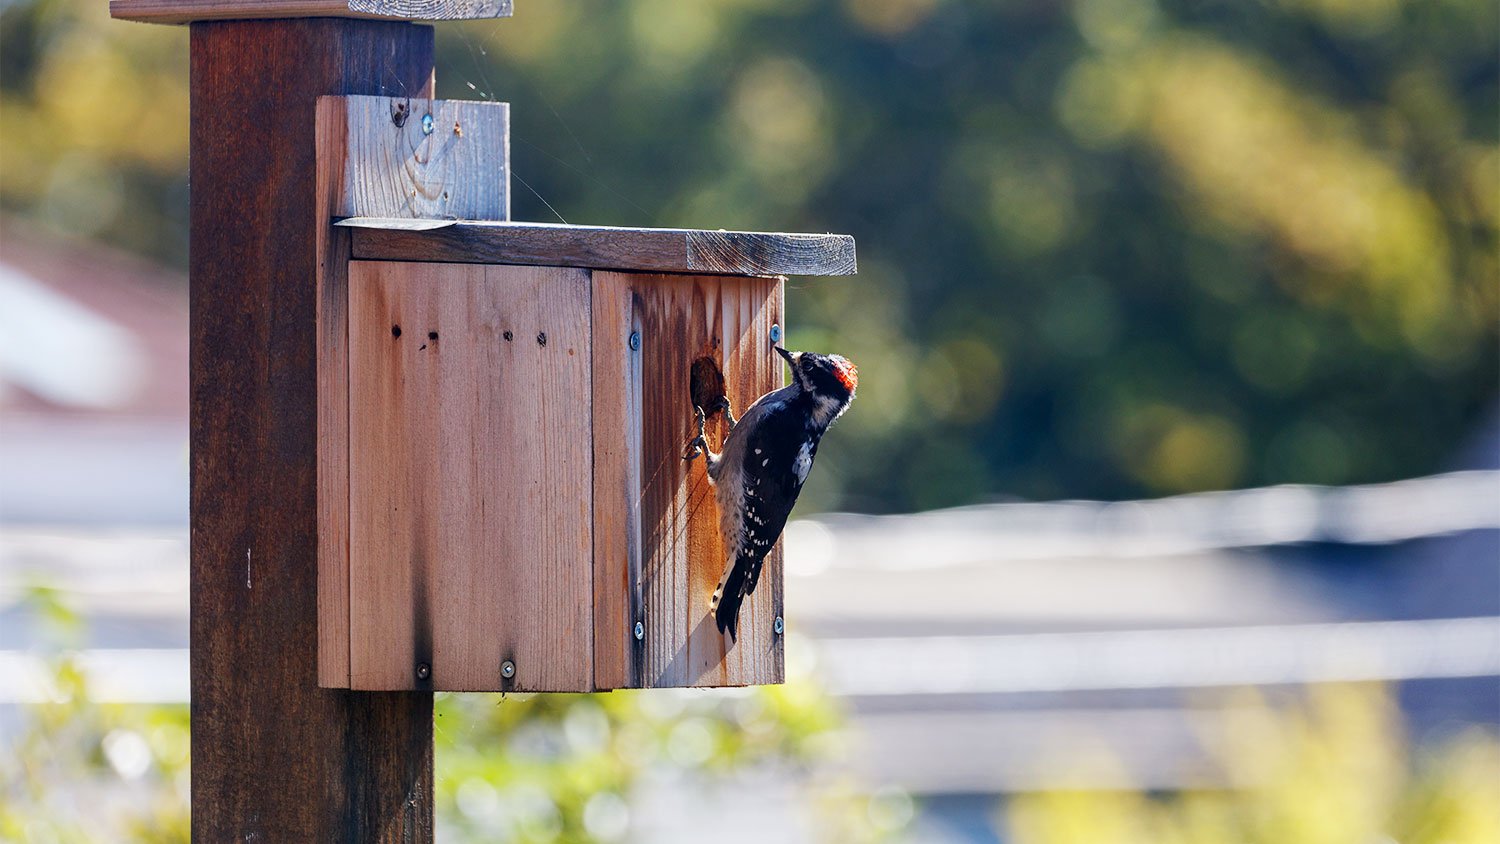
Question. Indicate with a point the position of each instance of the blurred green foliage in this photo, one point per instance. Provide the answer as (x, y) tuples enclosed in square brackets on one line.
[(77, 771), (553, 769), (1336, 770), (1108, 247), (81, 771), (574, 768)]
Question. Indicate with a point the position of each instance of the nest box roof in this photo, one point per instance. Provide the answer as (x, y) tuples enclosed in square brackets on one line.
[(187, 11)]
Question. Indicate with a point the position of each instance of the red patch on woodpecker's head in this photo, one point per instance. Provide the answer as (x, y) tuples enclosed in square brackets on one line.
[(846, 371)]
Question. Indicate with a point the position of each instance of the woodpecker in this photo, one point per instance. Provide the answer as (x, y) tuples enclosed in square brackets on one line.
[(765, 460)]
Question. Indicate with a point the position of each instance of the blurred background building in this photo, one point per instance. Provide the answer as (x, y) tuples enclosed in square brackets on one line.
[(1177, 334)]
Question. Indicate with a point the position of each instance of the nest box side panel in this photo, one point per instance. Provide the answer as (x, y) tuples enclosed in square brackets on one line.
[(471, 478), (658, 553), (375, 155)]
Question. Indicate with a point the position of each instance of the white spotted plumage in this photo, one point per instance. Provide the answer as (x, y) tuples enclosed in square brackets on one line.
[(755, 496)]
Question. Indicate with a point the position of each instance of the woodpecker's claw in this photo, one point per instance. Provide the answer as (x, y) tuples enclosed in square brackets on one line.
[(728, 413), (699, 444)]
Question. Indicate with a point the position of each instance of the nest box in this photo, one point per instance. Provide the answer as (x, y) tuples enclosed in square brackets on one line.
[(503, 503)]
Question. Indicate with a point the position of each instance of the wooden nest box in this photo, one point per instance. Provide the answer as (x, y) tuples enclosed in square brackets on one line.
[(502, 503), (503, 407)]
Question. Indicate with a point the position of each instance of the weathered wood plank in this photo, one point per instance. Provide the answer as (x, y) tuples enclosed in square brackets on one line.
[(333, 410), (659, 509), (603, 247), (187, 11), (414, 158), (471, 477), (618, 653), (275, 757)]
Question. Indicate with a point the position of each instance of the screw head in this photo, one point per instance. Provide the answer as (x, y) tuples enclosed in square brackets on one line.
[(507, 669), (635, 341), (427, 124), (776, 333), (423, 671), (640, 630), (778, 625)]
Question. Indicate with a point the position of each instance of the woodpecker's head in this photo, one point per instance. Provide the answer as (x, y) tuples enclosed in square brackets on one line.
[(825, 376)]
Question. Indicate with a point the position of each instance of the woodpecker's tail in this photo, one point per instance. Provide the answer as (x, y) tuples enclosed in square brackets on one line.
[(727, 616), (729, 597)]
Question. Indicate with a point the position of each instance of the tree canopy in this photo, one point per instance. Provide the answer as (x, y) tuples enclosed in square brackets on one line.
[(1107, 247)]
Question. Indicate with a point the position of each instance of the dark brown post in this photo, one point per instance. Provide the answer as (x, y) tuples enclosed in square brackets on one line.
[(275, 757)]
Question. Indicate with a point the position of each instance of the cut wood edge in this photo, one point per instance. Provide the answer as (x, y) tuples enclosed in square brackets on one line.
[(682, 251), (417, 158), (394, 224), (187, 11)]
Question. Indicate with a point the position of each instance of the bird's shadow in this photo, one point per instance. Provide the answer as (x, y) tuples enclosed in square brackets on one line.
[(703, 650)]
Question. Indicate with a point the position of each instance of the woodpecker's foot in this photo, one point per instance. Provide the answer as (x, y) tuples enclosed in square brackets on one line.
[(699, 444), (728, 413)]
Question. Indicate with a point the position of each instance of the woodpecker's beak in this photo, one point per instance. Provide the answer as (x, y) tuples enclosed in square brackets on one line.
[(790, 358)]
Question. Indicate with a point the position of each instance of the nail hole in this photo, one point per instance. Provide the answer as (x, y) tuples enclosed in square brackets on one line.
[(395, 331), (509, 336), (432, 335), (541, 339)]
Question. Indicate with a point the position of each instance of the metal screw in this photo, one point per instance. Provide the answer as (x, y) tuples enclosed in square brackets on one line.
[(541, 339), (427, 124), (423, 671), (778, 625), (635, 341), (640, 630), (507, 669), (776, 333)]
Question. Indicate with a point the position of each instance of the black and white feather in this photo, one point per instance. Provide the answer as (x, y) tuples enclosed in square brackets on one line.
[(765, 461)]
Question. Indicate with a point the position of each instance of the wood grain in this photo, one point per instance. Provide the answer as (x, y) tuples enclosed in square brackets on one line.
[(654, 507), (374, 156), (187, 11), (471, 476), (275, 757), (603, 247), (332, 281), (619, 657), (395, 168)]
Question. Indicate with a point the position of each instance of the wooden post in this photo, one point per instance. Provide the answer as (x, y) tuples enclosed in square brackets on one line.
[(276, 757)]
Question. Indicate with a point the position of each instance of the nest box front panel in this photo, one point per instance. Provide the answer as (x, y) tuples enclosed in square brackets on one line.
[(662, 344), (470, 477)]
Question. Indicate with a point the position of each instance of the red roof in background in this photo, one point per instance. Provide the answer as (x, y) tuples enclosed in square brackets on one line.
[(146, 300)]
